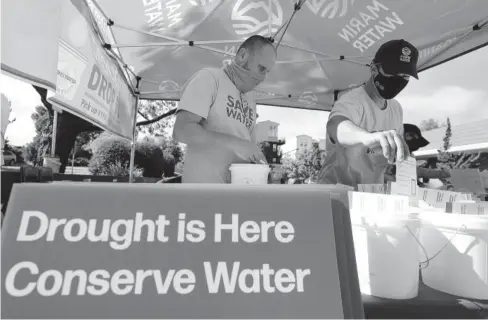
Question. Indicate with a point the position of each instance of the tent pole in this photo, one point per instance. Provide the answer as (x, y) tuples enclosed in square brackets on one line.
[(133, 143), (73, 159), (270, 17), (53, 138)]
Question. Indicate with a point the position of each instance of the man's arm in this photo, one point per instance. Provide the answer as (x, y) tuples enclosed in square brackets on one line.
[(343, 131), (432, 173), (343, 124), (188, 129), (343, 128)]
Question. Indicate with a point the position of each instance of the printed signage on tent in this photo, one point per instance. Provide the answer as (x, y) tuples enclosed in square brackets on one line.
[(89, 82), (174, 252), (326, 47)]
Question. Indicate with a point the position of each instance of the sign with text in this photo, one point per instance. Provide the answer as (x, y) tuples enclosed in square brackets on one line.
[(406, 177), (89, 82), (373, 188), (479, 208), (439, 198), (173, 252), (375, 203)]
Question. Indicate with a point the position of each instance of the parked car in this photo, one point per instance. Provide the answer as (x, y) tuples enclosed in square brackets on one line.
[(9, 158)]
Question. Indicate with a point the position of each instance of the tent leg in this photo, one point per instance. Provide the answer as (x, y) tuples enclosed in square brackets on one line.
[(73, 159), (133, 144), (53, 138)]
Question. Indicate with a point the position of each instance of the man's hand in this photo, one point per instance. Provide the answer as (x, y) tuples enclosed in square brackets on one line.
[(249, 151), (392, 145)]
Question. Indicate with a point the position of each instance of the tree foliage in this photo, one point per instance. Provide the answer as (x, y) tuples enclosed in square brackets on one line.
[(156, 121), (305, 166), (69, 127), (447, 160), (35, 150), (154, 157), (109, 152), (151, 110)]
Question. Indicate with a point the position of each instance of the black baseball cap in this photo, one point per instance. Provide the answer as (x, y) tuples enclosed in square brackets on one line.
[(398, 56), (422, 142)]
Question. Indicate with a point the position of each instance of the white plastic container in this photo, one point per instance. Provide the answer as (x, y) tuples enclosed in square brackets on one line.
[(458, 266), (249, 173), (387, 255)]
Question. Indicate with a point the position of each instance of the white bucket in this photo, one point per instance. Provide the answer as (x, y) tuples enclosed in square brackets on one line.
[(387, 255), (249, 173), (457, 249), (52, 162)]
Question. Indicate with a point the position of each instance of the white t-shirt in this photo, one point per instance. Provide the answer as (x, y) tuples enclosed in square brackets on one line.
[(213, 96), (353, 166)]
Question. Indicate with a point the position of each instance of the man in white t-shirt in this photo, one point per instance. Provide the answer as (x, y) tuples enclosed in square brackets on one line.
[(365, 126), (217, 114)]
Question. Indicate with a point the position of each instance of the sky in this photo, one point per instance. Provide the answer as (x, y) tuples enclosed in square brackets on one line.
[(457, 89)]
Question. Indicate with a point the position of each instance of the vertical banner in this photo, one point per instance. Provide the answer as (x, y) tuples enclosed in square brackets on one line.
[(89, 81), (30, 34)]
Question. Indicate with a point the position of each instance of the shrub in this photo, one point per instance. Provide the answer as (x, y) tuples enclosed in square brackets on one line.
[(149, 156), (155, 157), (120, 169), (109, 151)]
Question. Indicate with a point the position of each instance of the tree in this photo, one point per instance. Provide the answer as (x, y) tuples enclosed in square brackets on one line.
[(447, 160), (81, 150), (30, 152), (305, 166), (152, 112), (35, 150), (70, 126), (154, 157), (430, 124)]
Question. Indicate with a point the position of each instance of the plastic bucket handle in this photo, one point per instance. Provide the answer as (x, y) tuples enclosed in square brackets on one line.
[(427, 261)]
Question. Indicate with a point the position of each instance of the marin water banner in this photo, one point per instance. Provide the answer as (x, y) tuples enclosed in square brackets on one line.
[(122, 251), (324, 52), (90, 83), (326, 47)]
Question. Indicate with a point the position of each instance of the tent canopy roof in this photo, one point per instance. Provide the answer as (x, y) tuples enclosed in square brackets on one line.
[(326, 48)]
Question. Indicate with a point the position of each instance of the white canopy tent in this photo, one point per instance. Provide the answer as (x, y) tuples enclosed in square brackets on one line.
[(109, 53)]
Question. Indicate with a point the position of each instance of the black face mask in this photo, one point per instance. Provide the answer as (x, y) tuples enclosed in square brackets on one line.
[(389, 87)]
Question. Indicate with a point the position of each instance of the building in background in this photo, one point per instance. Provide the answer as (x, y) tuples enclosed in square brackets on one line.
[(304, 143), (266, 131)]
